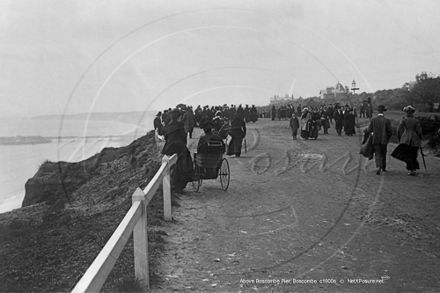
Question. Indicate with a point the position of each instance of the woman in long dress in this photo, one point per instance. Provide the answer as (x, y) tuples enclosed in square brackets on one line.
[(349, 122), (306, 117), (409, 133), (238, 133), (175, 143)]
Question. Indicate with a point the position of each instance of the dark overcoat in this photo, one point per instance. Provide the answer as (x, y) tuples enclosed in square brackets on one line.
[(381, 129), (238, 132), (175, 138), (175, 143)]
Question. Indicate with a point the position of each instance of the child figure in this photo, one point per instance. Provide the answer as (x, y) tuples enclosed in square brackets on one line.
[(294, 125)]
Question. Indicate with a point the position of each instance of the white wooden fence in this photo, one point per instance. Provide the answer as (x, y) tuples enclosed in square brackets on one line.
[(134, 221)]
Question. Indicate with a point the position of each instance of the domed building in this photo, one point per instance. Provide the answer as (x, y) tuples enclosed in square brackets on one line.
[(332, 94)]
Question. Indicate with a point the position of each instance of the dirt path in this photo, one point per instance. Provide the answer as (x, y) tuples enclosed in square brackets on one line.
[(309, 211)]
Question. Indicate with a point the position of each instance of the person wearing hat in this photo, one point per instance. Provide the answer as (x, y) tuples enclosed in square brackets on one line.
[(254, 114), (189, 121), (166, 117), (380, 128), (175, 143), (238, 133), (339, 119), (202, 146), (240, 112), (217, 121), (349, 122), (409, 133), (294, 125), (306, 119), (330, 112), (273, 112), (247, 114), (158, 123)]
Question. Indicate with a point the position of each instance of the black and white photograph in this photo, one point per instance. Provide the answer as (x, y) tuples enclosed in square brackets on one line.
[(219, 146)]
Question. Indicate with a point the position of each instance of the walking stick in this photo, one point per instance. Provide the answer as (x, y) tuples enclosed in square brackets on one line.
[(423, 158), (245, 146)]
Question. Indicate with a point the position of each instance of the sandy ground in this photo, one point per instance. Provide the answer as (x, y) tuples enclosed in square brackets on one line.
[(306, 216)]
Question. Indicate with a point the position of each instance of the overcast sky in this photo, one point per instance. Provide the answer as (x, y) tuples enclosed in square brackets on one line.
[(64, 56)]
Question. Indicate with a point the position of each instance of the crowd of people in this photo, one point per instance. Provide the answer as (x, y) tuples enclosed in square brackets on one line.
[(217, 122), (310, 120)]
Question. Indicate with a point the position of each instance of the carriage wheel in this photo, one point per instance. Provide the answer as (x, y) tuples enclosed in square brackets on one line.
[(197, 180), (224, 174)]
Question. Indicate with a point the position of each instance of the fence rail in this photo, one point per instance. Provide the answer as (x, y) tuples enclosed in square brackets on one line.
[(135, 221)]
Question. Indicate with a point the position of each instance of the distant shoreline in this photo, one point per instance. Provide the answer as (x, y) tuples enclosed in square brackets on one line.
[(20, 140), (30, 140)]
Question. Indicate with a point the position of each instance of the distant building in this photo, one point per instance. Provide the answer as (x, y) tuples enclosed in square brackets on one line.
[(409, 85), (419, 77), (332, 94), (281, 100)]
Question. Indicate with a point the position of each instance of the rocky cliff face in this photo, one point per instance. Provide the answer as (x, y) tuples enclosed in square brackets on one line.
[(58, 181), (51, 183)]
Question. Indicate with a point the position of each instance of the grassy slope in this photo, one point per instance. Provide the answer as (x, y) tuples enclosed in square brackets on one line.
[(48, 248)]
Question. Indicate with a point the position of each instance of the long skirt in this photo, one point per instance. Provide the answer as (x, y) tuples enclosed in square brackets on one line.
[(305, 134), (183, 170), (235, 145), (407, 154)]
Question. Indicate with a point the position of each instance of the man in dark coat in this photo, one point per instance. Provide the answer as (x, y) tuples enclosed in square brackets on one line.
[(299, 110), (175, 143), (240, 111), (238, 133), (349, 122), (254, 114), (166, 117), (189, 121), (294, 125), (247, 114), (158, 123), (381, 129), (330, 112), (339, 119), (273, 112)]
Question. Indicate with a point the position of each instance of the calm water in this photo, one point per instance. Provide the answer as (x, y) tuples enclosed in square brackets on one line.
[(18, 163)]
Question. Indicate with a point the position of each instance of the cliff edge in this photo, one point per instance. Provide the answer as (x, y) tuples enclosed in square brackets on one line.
[(69, 212)]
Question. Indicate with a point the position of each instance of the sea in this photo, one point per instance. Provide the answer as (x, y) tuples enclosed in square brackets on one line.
[(72, 140)]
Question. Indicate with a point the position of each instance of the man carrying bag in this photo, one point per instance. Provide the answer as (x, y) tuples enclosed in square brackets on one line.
[(380, 128)]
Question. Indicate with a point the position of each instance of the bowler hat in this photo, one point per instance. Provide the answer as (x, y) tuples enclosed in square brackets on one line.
[(381, 108)]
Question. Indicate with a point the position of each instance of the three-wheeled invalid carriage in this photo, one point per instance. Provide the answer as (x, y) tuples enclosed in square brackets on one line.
[(211, 165)]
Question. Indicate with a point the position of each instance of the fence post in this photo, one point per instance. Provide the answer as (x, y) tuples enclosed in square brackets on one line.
[(140, 242), (166, 186)]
